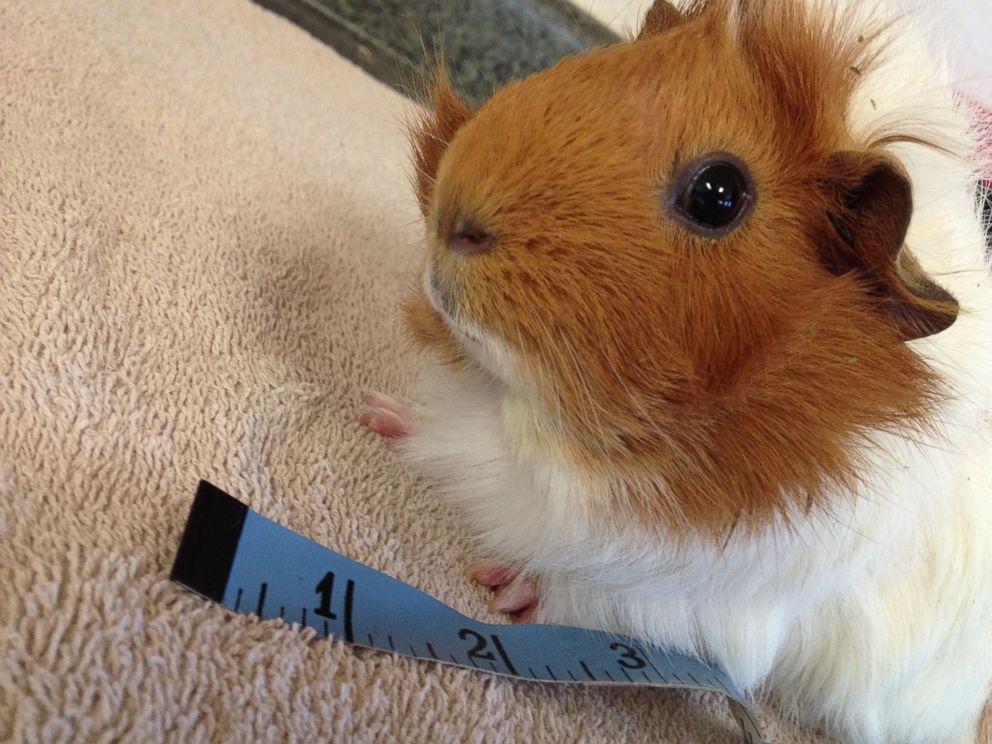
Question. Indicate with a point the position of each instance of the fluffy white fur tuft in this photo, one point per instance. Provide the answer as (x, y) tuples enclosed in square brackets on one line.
[(875, 620)]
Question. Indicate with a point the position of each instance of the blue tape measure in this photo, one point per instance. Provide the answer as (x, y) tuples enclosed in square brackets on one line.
[(249, 564)]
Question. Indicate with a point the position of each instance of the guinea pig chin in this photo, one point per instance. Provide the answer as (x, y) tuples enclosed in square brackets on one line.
[(485, 348)]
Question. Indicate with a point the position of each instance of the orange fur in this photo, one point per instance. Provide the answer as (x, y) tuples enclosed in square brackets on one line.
[(427, 330), (714, 382)]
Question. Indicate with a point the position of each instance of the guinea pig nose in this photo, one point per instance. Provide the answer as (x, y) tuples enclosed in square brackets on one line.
[(468, 237)]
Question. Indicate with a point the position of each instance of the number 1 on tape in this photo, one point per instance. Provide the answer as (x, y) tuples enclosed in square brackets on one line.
[(249, 564)]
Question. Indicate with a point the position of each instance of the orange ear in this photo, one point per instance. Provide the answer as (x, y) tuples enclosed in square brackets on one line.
[(873, 206), (664, 15), (432, 134)]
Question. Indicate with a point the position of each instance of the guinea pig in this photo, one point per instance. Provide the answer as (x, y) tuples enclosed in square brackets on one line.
[(709, 322)]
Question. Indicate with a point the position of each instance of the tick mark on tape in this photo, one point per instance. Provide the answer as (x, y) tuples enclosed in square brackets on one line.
[(551, 673), (647, 657), (503, 654), (571, 675), (349, 601), (586, 670), (261, 599), (391, 644), (430, 650), (237, 602)]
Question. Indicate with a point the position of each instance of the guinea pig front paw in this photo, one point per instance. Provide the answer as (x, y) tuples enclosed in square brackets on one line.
[(514, 594), (386, 416)]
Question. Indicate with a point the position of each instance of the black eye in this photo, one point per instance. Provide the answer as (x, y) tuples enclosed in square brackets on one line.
[(714, 197)]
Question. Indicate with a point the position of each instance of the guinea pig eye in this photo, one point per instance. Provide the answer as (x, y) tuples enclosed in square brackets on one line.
[(714, 196)]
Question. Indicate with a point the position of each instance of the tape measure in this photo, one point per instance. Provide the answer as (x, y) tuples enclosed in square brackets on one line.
[(249, 564)]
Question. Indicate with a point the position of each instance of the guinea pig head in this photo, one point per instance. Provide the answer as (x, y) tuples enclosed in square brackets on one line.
[(676, 246)]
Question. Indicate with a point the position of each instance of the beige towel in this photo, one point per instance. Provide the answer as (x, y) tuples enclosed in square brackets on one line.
[(205, 224)]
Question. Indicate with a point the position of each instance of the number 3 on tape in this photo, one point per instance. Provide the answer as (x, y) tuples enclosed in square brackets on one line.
[(249, 564)]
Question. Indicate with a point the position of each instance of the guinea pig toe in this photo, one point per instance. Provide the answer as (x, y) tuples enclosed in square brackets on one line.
[(491, 575), (386, 416), (383, 402), (518, 599)]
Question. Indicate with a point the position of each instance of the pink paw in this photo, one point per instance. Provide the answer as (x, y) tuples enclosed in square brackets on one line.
[(386, 416), (515, 595)]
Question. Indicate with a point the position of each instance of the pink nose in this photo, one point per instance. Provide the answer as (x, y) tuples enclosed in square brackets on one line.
[(469, 238)]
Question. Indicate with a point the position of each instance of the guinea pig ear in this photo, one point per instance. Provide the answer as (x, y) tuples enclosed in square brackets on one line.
[(431, 135), (660, 17), (873, 207)]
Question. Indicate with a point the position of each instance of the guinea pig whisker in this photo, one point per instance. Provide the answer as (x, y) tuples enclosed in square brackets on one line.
[(593, 405), (636, 399), (545, 374)]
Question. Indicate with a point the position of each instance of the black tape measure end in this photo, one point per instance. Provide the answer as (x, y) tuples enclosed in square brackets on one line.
[(209, 542)]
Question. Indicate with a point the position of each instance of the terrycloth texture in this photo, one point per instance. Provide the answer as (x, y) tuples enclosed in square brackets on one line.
[(205, 222)]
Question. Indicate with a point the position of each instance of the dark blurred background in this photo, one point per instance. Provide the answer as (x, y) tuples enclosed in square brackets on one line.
[(484, 43)]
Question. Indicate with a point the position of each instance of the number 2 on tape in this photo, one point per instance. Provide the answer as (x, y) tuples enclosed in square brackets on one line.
[(249, 564)]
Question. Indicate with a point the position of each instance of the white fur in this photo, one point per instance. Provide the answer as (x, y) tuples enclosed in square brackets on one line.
[(876, 620)]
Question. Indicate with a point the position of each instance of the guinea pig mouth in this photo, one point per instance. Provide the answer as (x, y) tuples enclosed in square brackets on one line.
[(438, 294), (442, 301), (488, 350)]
